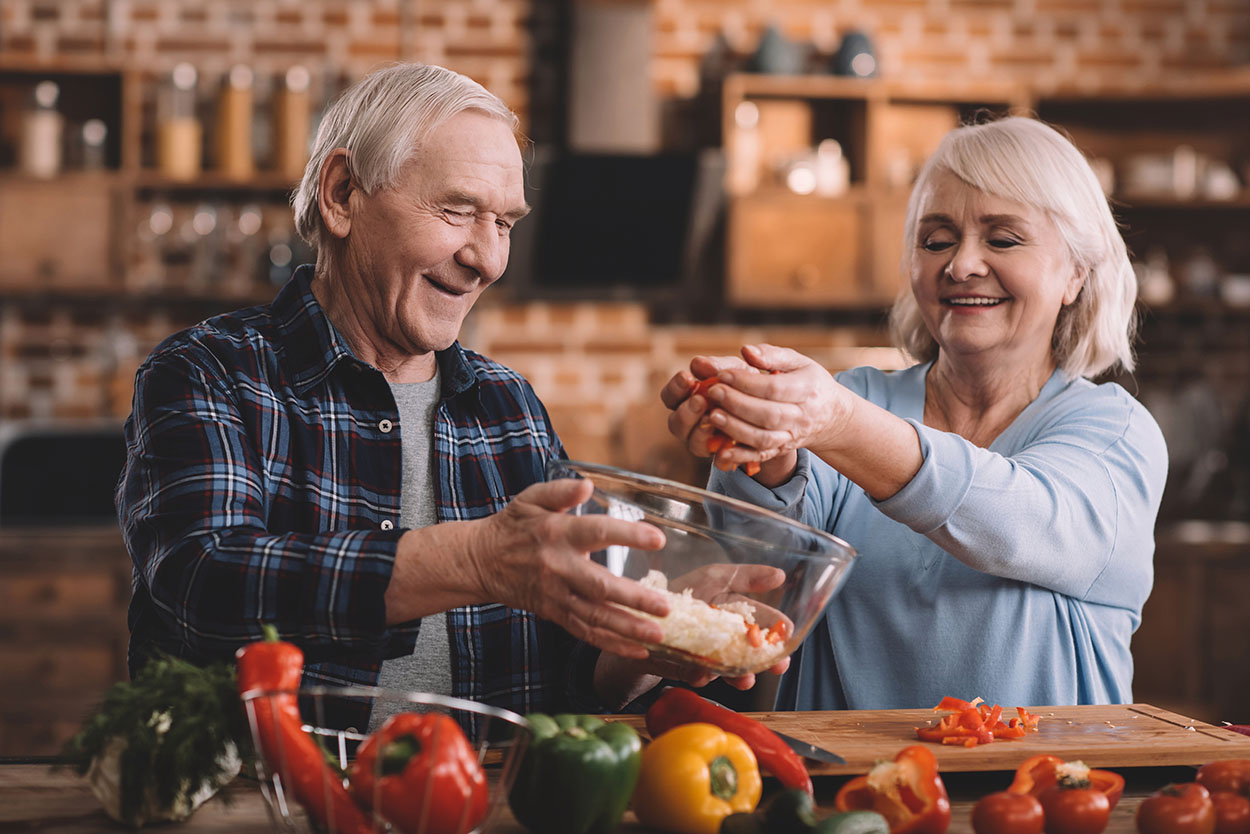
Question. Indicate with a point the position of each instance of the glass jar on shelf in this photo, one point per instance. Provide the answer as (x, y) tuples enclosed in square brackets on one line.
[(292, 114), (39, 154), (178, 130), (233, 129)]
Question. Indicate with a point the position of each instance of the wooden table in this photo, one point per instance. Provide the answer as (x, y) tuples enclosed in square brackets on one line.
[(32, 799), (1151, 750)]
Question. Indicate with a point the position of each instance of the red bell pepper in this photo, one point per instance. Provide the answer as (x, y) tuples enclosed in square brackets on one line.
[(681, 706), (908, 792), (1039, 774), (419, 772), (275, 666), (969, 723), (719, 440)]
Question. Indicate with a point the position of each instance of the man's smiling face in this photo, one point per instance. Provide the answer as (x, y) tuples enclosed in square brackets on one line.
[(422, 250)]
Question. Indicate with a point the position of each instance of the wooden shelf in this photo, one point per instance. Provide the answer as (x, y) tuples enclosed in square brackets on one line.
[(261, 182), (1146, 202)]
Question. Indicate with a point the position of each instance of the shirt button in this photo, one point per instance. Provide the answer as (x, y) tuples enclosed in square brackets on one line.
[(385, 426), (388, 525)]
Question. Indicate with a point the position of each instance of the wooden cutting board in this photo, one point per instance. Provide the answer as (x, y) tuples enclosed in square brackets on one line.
[(1124, 735)]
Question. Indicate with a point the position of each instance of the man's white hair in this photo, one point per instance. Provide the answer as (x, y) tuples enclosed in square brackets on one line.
[(381, 122)]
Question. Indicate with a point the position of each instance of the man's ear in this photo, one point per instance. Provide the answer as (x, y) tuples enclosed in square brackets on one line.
[(334, 191)]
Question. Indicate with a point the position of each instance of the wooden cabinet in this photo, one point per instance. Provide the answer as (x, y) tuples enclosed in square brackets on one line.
[(796, 251), (819, 169), (1190, 651), (63, 635)]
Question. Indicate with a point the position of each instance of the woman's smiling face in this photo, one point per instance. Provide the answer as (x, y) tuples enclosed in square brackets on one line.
[(989, 274)]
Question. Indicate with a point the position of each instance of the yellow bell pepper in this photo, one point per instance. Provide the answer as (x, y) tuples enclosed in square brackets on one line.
[(693, 776)]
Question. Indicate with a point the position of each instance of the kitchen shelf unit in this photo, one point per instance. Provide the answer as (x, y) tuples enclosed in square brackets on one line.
[(1180, 155), (805, 250), (116, 257)]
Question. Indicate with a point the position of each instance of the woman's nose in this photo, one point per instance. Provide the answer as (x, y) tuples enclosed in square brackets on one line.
[(966, 262)]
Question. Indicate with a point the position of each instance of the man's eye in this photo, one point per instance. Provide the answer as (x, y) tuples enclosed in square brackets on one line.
[(457, 216), (505, 227)]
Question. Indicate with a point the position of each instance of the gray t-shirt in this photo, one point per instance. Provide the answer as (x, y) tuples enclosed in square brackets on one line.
[(428, 668)]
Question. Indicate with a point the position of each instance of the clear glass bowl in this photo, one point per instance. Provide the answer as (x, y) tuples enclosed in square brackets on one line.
[(746, 584), (497, 737)]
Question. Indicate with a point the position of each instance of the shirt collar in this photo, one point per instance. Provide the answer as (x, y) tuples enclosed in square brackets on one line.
[(315, 346)]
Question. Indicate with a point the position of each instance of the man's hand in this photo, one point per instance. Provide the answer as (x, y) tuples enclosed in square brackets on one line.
[(534, 556), (619, 680)]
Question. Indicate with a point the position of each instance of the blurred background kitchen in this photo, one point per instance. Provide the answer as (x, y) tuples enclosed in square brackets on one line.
[(705, 173)]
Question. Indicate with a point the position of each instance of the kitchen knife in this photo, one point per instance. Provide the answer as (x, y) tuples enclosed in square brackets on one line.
[(810, 751)]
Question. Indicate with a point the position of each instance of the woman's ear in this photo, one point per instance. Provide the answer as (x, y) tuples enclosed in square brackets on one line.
[(1075, 283), (334, 191)]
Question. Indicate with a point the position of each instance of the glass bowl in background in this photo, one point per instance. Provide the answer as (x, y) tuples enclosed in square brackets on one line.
[(745, 584), (495, 737)]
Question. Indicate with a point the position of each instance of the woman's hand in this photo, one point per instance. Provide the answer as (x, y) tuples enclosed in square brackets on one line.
[(772, 402), (688, 422)]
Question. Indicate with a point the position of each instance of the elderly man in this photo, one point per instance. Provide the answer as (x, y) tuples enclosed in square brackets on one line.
[(336, 464)]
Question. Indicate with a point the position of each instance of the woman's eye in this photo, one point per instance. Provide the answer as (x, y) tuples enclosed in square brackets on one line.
[(932, 245), (1004, 242)]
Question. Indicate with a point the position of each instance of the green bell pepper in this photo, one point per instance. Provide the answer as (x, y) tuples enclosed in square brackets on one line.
[(577, 775)]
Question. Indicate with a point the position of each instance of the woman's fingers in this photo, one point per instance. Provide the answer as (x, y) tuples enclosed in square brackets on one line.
[(774, 359)]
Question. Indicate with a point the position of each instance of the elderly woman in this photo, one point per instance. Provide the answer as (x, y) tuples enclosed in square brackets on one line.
[(1002, 503)]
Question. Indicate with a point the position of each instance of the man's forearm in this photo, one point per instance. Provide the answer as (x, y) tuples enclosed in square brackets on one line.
[(434, 571)]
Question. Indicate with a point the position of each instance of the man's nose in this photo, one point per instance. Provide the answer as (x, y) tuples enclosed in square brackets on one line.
[(485, 252)]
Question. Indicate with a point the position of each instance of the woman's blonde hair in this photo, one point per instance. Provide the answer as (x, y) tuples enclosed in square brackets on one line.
[(1026, 161), (381, 121)]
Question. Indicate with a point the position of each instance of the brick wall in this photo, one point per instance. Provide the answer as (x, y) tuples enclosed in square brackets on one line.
[(1045, 42), (599, 369), (485, 39)]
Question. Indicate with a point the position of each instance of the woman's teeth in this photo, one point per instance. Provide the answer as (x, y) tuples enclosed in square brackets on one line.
[(974, 302)]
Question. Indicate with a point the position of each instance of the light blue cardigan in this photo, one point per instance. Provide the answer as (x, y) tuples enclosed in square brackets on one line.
[(1015, 573)]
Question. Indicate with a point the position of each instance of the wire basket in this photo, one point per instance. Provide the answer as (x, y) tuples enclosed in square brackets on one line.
[(299, 802)]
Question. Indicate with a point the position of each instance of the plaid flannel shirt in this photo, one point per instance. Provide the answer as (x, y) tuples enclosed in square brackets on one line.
[(263, 486)]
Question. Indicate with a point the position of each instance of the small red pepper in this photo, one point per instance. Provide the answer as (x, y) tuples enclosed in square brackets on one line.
[(908, 792), (419, 772), (276, 666), (719, 440), (679, 706), (1038, 774)]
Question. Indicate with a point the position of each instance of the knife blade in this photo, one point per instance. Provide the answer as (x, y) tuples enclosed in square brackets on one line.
[(810, 751)]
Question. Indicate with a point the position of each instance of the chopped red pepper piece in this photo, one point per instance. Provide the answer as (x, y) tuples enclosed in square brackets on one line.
[(908, 792), (969, 723), (719, 440)]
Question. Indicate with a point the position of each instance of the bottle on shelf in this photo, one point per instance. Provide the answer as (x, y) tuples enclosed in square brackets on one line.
[(178, 132), (233, 130), (292, 112), (93, 135), (39, 154)]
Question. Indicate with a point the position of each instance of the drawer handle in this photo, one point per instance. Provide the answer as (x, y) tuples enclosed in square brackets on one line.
[(805, 277)]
